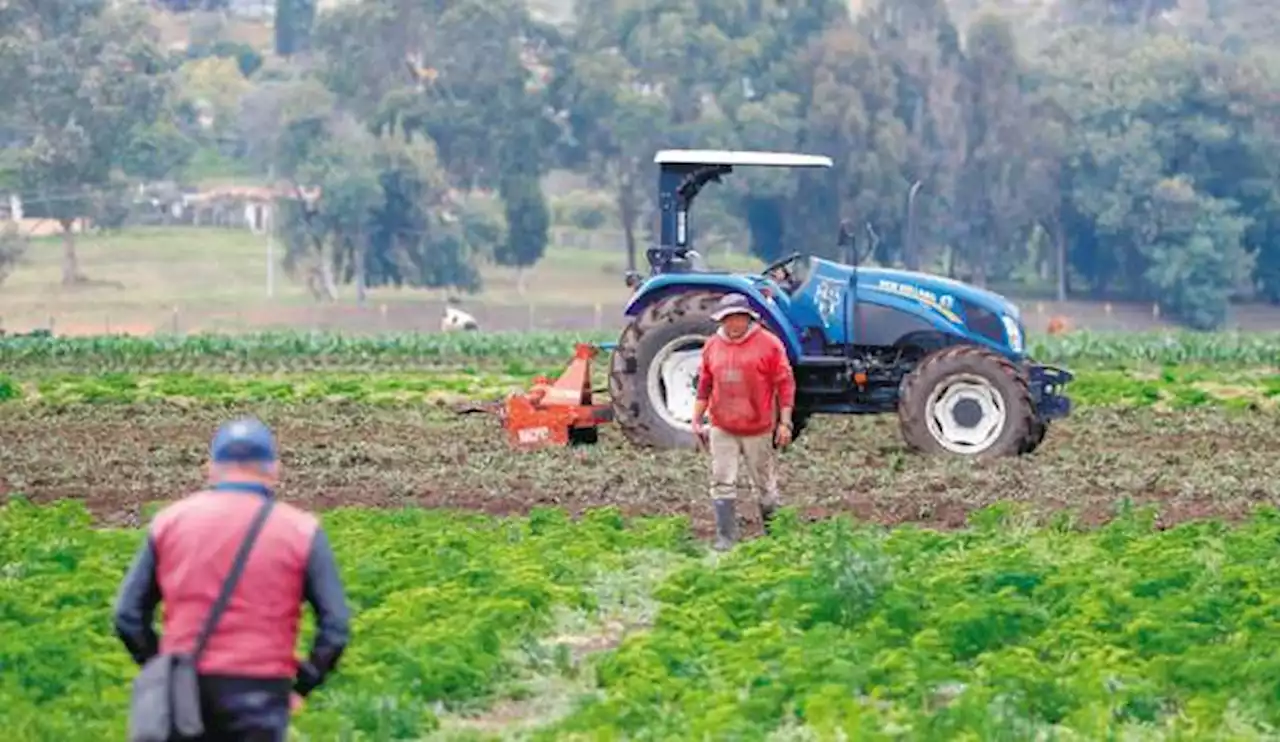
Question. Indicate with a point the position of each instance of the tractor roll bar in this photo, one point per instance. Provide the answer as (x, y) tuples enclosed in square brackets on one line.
[(682, 175)]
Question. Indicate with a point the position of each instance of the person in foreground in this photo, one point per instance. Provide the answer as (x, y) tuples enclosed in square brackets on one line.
[(747, 387), (249, 681)]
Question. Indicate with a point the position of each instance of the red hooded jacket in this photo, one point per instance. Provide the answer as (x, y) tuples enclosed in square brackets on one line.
[(745, 381)]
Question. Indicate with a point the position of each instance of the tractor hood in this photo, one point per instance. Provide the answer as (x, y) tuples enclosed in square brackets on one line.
[(941, 286), (955, 303)]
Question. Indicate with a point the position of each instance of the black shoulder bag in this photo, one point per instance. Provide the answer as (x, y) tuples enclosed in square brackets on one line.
[(166, 693)]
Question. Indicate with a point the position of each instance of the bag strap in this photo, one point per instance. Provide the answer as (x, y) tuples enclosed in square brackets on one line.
[(233, 577)]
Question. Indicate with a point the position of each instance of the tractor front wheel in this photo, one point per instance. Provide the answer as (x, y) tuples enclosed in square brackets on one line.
[(967, 401), (1035, 436)]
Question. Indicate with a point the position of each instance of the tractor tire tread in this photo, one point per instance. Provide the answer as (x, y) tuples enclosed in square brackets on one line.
[(623, 383)]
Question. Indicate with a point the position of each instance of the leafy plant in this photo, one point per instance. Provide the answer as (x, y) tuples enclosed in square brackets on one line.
[(1000, 633), (441, 602), (1176, 387), (519, 352)]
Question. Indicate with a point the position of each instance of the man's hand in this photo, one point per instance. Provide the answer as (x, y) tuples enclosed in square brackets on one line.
[(783, 432), (295, 703), (700, 431), (699, 427), (782, 435)]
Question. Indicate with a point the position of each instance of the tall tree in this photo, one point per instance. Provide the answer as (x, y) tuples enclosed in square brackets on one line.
[(850, 115), (921, 43), (522, 161), (696, 74), (528, 221), (293, 23), (1157, 152), (12, 247), (86, 84), (468, 75), (373, 210), (992, 201), (1194, 257), (614, 120)]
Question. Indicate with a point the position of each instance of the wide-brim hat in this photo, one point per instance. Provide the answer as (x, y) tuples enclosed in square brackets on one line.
[(732, 304)]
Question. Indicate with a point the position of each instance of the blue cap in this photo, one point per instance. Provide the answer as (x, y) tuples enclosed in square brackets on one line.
[(243, 441)]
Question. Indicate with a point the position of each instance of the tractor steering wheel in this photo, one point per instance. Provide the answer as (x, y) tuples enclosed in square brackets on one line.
[(787, 279)]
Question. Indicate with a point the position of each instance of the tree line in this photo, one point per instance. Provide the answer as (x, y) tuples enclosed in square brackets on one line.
[(1091, 148)]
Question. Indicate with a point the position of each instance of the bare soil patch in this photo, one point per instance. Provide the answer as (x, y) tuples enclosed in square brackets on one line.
[(118, 459)]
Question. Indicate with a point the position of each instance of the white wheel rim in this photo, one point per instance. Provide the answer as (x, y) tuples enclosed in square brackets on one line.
[(965, 414), (672, 380)]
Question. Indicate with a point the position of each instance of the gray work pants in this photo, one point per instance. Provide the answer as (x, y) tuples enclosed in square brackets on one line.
[(728, 451)]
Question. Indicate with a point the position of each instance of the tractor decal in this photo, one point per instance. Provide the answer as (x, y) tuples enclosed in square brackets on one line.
[(828, 299), (944, 305)]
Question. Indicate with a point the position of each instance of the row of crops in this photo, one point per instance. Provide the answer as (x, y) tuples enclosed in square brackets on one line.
[(1172, 387), (520, 352), (1177, 370), (608, 629)]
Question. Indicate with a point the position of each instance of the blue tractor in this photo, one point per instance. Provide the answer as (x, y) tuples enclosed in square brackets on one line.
[(950, 359)]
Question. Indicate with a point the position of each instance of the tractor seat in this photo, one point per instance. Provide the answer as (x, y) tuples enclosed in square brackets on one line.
[(800, 271), (692, 262)]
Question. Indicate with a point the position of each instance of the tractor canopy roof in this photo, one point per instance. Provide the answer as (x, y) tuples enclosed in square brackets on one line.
[(683, 173), (731, 158)]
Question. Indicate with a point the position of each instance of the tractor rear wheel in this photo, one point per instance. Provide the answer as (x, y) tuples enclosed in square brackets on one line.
[(968, 401), (653, 373)]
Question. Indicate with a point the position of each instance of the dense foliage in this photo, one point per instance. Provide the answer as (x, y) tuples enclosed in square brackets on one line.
[(1090, 148), (521, 353), (998, 632)]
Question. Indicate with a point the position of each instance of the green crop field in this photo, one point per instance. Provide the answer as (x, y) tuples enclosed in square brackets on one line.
[(1123, 582)]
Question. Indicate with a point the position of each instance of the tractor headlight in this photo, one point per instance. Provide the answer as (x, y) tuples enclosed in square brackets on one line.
[(1013, 332)]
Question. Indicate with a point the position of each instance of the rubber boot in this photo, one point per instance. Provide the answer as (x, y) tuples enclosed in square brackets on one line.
[(767, 510), (726, 524)]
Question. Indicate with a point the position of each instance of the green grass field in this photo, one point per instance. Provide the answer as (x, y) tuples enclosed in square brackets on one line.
[(162, 280), (217, 278)]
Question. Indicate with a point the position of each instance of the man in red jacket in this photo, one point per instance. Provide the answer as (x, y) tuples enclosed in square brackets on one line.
[(248, 674), (747, 386)]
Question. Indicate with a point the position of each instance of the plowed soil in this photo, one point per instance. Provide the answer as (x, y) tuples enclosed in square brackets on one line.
[(118, 459)]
